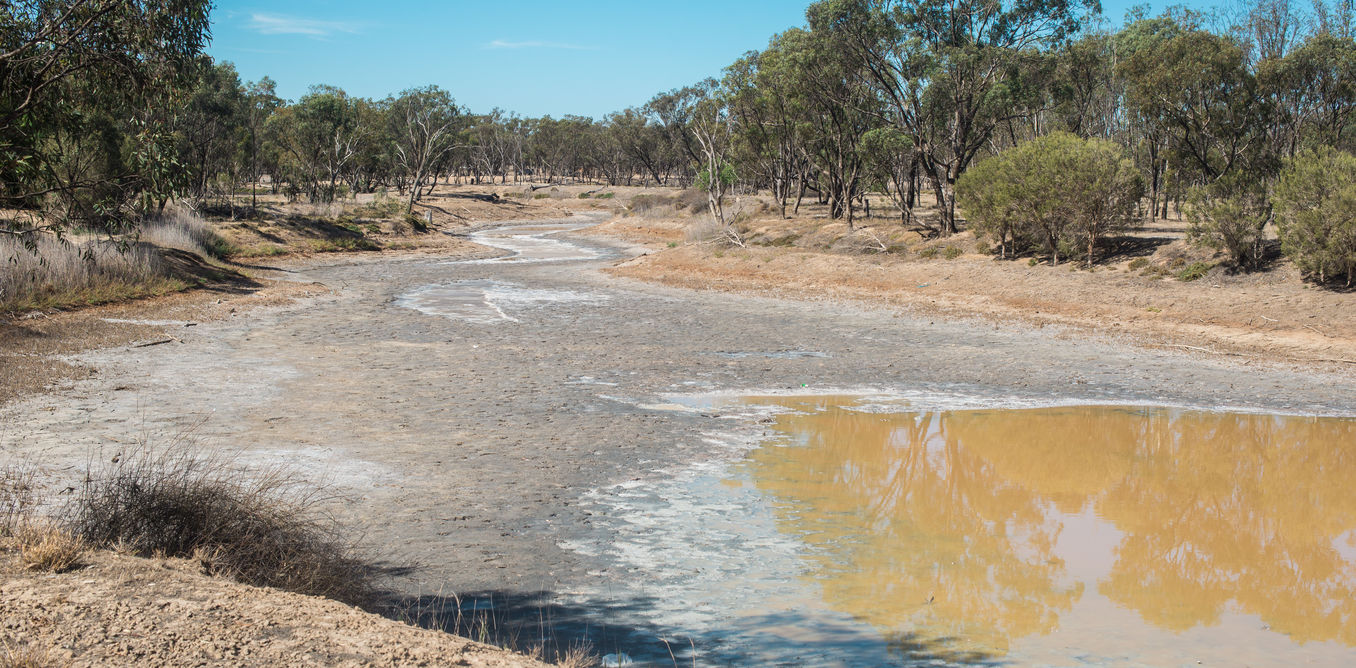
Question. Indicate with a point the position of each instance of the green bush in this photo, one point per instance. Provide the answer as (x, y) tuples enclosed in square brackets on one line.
[(1195, 271), (952, 252), (1316, 213), (1058, 193), (1230, 214)]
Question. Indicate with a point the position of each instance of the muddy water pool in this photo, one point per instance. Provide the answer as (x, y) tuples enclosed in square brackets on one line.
[(881, 531)]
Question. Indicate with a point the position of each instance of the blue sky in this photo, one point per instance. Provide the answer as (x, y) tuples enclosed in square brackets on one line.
[(529, 56)]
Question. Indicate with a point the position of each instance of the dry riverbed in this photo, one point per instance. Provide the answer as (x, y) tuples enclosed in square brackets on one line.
[(473, 413)]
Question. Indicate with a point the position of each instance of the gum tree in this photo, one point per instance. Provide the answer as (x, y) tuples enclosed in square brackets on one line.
[(424, 126), (947, 69)]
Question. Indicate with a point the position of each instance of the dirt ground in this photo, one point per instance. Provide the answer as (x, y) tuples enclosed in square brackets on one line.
[(121, 610), (1270, 316)]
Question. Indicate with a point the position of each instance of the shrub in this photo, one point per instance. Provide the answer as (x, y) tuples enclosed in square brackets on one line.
[(1230, 214), (1058, 192), (1195, 271), (952, 252), (416, 222), (344, 245), (928, 253), (691, 199), (1137, 264), (259, 527), (1316, 213)]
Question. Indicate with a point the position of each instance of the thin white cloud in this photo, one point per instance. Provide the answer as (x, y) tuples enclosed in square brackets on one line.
[(503, 44), (281, 24)]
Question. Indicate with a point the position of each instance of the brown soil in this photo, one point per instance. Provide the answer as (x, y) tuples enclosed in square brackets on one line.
[(369, 222), (1271, 315), (121, 610)]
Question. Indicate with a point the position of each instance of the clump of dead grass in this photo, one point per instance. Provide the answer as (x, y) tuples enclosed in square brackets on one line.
[(17, 497), (26, 656), (45, 272), (48, 547), (184, 230), (261, 527)]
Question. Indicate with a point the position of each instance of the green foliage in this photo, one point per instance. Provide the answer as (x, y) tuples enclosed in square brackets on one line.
[(725, 176), (1230, 214), (88, 94), (1316, 211), (1059, 193), (952, 252), (1194, 271)]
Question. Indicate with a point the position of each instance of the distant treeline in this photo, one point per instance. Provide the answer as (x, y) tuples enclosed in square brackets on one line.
[(110, 108)]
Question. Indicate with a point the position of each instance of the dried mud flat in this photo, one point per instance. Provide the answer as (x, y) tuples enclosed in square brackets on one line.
[(465, 440)]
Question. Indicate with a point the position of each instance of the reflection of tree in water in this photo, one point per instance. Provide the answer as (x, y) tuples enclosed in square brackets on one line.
[(963, 508), (1239, 507), (904, 516)]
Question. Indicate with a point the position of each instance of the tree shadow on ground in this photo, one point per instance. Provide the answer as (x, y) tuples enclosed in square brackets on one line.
[(546, 623), (1129, 247)]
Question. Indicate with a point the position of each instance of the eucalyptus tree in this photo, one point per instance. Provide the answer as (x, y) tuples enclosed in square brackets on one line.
[(210, 126), (672, 111), (837, 107), (1314, 92), (425, 123), (706, 106), (946, 68), (321, 135), (84, 138), (261, 101), (642, 141)]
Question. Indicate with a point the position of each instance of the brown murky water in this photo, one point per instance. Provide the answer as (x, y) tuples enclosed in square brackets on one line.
[(1157, 535)]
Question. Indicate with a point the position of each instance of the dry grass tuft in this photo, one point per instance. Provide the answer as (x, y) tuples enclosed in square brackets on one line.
[(49, 548), (263, 528), (51, 272), (184, 230), (16, 498), (579, 656), (26, 656)]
